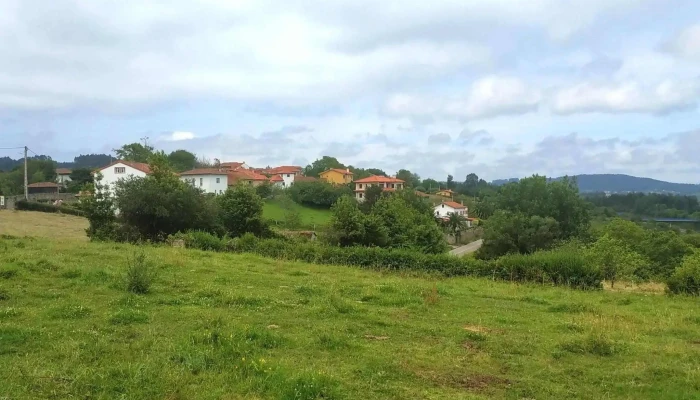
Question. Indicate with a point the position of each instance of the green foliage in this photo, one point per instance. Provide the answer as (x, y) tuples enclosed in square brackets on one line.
[(99, 210), (615, 259), (412, 180), (686, 278), (182, 160), (456, 224), (80, 177), (140, 274), (242, 211), (323, 164), (264, 190), (649, 204), (372, 195), (292, 217), (24, 205), (351, 227), (692, 239), (508, 232), (134, 152), (318, 194), (161, 204)]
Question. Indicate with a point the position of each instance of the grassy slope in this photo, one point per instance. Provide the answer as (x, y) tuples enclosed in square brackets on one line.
[(67, 328), (309, 216), (32, 223)]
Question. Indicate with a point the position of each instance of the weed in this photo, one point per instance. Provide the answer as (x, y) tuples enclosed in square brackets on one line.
[(139, 274), (45, 265), (307, 291), (311, 387), (128, 317), (71, 274), (594, 344), (330, 342), (570, 308), (69, 312), (8, 273), (340, 305), (9, 312)]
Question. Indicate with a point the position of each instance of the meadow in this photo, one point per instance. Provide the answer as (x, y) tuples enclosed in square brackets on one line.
[(227, 326), (310, 217)]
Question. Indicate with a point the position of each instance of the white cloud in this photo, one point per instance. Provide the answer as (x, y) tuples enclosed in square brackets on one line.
[(177, 136), (686, 43), (627, 97)]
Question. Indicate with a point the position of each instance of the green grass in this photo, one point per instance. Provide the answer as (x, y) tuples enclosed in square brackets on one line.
[(224, 326), (310, 217)]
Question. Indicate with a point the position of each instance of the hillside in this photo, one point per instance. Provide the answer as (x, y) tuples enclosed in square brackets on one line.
[(624, 183), (218, 325)]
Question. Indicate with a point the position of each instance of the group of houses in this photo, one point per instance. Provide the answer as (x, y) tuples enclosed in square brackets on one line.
[(216, 180)]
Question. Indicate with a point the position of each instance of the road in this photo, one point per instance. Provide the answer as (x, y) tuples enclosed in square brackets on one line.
[(468, 248)]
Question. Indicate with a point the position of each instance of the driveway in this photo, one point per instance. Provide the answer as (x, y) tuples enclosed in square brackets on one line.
[(467, 248)]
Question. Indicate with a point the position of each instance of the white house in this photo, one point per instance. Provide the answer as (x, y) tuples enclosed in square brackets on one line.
[(444, 209), (63, 176), (387, 184), (119, 170), (210, 180)]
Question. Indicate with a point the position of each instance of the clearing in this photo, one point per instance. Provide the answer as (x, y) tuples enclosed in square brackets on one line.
[(226, 326), (310, 217)]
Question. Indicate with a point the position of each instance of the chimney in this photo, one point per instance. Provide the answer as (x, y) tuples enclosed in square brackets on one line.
[(347, 169)]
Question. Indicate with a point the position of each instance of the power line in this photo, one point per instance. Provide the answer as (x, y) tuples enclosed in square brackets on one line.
[(11, 148)]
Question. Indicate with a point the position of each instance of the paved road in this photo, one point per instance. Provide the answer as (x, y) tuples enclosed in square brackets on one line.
[(468, 248)]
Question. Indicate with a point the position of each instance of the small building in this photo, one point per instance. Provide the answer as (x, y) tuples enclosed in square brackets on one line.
[(337, 176), (43, 187), (386, 183), (63, 176), (444, 209), (246, 176), (283, 176), (119, 169), (445, 193), (210, 180)]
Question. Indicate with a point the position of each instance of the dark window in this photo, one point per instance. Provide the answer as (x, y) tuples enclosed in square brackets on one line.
[(218, 180)]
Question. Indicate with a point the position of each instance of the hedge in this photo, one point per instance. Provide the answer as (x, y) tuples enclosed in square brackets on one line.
[(24, 205), (553, 267)]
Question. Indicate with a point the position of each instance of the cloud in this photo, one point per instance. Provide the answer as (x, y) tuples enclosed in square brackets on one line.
[(628, 97), (480, 137), (177, 136), (439, 138), (685, 44), (489, 96)]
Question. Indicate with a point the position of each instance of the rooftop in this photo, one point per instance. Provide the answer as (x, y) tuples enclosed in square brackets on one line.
[(143, 167), (378, 179), (338, 170), (454, 205), (43, 185), (63, 171), (204, 171)]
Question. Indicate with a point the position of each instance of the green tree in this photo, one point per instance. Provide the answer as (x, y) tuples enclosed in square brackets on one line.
[(182, 160), (450, 182), (430, 185), (319, 193), (348, 223), (134, 152), (100, 212), (323, 164), (372, 195), (456, 224), (242, 211), (615, 259), (412, 180), (80, 177), (508, 232), (686, 278), (265, 190)]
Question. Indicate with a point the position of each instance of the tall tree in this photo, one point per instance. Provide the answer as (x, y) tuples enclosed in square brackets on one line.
[(182, 160), (134, 152), (450, 182), (412, 180), (322, 164)]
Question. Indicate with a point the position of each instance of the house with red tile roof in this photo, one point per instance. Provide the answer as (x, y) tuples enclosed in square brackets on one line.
[(234, 165), (337, 176), (246, 176), (43, 187), (209, 180), (63, 176), (388, 184), (120, 169), (444, 209), (282, 176)]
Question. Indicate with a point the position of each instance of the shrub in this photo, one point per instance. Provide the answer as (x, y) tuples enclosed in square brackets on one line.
[(319, 194), (686, 278), (241, 212), (24, 205), (139, 274)]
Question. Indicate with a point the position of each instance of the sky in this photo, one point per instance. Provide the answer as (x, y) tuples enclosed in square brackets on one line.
[(500, 88)]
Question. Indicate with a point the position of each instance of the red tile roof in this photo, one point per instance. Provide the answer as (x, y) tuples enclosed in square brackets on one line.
[(454, 205), (204, 171), (244, 175), (143, 167), (43, 185), (284, 169), (338, 170), (231, 165), (446, 191), (276, 178), (378, 179), (63, 171)]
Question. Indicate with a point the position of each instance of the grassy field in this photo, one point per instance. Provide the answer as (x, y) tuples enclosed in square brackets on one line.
[(310, 217), (31, 223), (224, 326)]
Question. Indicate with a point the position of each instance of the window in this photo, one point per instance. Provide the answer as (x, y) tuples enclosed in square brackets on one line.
[(287, 175), (218, 180), (119, 170), (393, 186), (360, 186), (201, 182), (360, 195), (443, 206)]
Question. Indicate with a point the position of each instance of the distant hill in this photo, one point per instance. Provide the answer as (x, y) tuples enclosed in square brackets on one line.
[(618, 183), (81, 161)]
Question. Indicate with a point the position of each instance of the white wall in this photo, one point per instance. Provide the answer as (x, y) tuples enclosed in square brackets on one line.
[(208, 183), (288, 179), (442, 210), (110, 177), (62, 179)]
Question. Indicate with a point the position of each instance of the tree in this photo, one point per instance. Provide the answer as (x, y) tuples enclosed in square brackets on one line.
[(615, 259), (292, 218), (412, 180), (99, 210), (450, 182), (242, 211), (161, 204), (372, 195), (134, 152), (264, 190), (347, 222), (79, 178), (323, 164), (686, 278), (182, 160), (317, 193), (430, 184), (456, 224), (510, 232)]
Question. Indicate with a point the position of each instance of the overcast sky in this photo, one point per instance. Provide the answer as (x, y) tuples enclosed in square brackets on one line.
[(502, 88)]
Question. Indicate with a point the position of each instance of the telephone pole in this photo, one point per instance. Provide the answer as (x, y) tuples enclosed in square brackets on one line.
[(26, 190)]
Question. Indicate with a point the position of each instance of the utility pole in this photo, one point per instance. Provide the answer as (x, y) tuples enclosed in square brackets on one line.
[(26, 190)]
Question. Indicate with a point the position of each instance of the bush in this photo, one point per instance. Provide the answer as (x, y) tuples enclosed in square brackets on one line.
[(686, 278), (139, 275), (24, 205), (319, 194)]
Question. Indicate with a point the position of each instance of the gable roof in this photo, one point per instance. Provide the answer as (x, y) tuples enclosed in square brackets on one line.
[(143, 167), (204, 171), (454, 205), (43, 185), (445, 190), (244, 175), (338, 170), (379, 179), (276, 178), (63, 171), (232, 164)]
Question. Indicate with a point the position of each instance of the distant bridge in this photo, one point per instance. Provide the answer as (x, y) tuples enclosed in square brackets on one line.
[(670, 220)]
